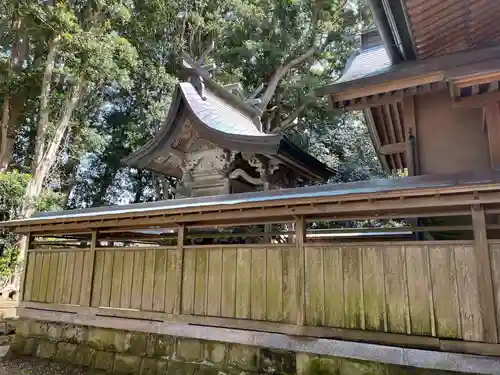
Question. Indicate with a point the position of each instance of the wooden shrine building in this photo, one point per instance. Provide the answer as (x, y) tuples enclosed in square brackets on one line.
[(213, 143), (427, 79)]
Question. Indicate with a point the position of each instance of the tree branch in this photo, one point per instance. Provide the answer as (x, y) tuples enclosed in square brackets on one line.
[(289, 122), (69, 107), (279, 74)]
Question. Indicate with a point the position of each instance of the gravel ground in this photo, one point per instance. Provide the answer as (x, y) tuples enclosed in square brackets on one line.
[(25, 366)]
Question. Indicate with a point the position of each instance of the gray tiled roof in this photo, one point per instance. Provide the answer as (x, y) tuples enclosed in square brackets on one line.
[(366, 63), (219, 115)]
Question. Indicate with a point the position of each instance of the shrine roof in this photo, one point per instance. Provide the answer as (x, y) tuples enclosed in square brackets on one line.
[(366, 63), (218, 116)]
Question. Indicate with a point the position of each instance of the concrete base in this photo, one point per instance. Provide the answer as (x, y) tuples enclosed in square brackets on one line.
[(138, 353)]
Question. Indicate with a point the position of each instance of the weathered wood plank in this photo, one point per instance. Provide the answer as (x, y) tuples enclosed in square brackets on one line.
[(88, 272), (315, 286), (214, 291), (495, 270), (68, 277), (77, 277), (243, 283), (353, 298), (188, 283), (444, 287), (44, 280), (116, 279), (171, 288), (395, 289), (107, 276), (179, 269), (54, 277), (274, 302), (149, 279), (258, 285), (128, 273), (228, 306), (485, 283), (160, 280), (137, 279), (374, 288), (201, 280), (419, 290), (334, 287), (300, 240), (468, 293), (37, 274), (30, 274), (291, 296), (95, 298)]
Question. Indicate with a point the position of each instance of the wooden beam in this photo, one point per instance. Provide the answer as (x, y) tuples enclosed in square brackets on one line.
[(375, 100), (335, 208), (400, 356), (370, 122), (410, 126), (476, 79), (493, 125), (179, 269), (485, 280), (388, 86), (477, 101), (29, 239), (393, 148)]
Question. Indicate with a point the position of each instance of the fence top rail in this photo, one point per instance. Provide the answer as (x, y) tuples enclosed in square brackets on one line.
[(394, 195)]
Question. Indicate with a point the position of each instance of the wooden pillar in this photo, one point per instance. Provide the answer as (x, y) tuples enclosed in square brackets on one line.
[(24, 262), (300, 239), (493, 125), (485, 281), (410, 126), (88, 273), (179, 268)]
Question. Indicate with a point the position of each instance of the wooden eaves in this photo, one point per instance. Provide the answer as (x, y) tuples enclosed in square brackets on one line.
[(415, 73), (439, 195)]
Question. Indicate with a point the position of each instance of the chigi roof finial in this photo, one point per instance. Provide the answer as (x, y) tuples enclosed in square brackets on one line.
[(197, 71)]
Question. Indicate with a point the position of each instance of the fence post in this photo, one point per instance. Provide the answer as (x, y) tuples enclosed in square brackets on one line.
[(24, 263), (179, 268), (88, 273), (485, 281), (300, 239)]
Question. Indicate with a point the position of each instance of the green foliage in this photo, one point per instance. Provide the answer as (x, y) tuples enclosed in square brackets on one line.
[(8, 260), (126, 54)]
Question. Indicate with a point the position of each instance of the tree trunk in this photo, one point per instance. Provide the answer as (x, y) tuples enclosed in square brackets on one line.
[(4, 130), (46, 158), (138, 191)]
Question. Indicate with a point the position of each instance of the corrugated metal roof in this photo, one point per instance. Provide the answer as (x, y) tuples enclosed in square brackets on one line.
[(330, 190), (366, 63)]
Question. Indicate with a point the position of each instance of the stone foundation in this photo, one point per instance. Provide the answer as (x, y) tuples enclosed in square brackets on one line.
[(137, 353)]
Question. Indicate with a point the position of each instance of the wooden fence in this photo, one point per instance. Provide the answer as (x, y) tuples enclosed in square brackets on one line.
[(144, 268), (416, 288)]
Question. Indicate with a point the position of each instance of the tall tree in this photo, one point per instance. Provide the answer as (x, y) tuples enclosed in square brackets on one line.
[(82, 52)]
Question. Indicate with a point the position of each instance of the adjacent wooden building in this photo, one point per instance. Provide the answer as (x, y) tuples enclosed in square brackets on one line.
[(427, 80)]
